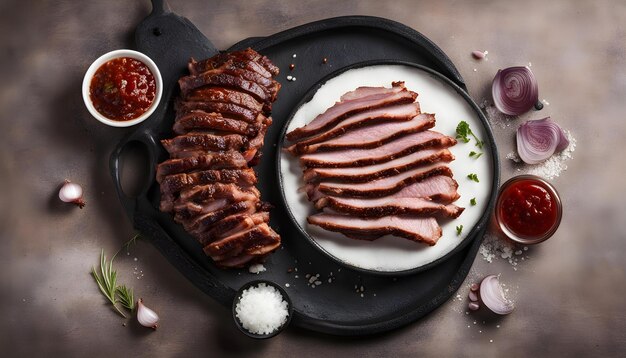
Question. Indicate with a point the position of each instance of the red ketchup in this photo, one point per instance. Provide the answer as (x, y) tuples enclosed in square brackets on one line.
[(122, 89), (528, 209)]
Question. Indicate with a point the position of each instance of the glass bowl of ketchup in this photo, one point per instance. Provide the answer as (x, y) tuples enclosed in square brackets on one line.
[(122, 88), (528, 209)]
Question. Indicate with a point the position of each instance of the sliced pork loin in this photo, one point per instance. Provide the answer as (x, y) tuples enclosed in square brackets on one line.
[(218, 160), (371, 136), (400, 112), (389, 151), (378, 207), (380, 187), (171, 185), (441, 189), (224, 95), (413, 228), (349, 104), (377, 171), (231, 225), (198, 120)]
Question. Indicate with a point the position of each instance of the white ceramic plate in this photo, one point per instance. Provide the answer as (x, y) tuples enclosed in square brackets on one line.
[(389, 254)]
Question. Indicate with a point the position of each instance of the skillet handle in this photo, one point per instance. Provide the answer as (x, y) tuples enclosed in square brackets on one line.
[(146, 138)]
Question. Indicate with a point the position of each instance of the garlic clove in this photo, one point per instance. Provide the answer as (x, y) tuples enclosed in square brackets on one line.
[(72, 193), (145, 316)]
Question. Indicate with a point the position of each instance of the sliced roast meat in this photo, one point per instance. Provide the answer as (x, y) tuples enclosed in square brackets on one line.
[(372, 136), (401, 112), (413, 228), (441, 189), (381, 187), (231, 225), (244, 56), (385, 206), (224, 160), (226, 80), (197, 120), (224, 95), (171, 185), (229, 110), (198, 224), (398, 94), (201, 193), (246, 242), (389, 151), (377, 171), (204, 142)]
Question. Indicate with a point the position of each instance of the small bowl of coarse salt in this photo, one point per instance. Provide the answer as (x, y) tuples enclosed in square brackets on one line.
[(262, 309)]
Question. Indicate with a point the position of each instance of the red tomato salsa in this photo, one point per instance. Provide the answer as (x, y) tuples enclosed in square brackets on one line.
[(528, 209), (122, 89)]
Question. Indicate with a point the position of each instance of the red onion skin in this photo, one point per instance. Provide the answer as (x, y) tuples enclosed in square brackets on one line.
[(514, 90), (539, 139)]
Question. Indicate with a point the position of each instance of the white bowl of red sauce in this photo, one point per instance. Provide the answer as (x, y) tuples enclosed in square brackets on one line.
[(528, 209), (122, 88)]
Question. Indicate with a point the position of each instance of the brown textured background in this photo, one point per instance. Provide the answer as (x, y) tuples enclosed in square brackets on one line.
[(570, 293)]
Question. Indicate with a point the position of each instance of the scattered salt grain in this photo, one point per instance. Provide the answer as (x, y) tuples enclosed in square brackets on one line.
[(294, 55), (495, 117), (494, 246), (286, 285), (257, 268), (261, 309)]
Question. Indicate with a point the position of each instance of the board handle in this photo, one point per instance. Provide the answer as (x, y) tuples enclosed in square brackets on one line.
[(147, 140), (158, 7)]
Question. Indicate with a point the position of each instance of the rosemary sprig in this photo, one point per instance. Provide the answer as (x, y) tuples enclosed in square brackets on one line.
[(107, 281), (126, 297)]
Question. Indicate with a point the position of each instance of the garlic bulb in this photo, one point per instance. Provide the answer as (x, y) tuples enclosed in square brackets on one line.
[(146, 316)]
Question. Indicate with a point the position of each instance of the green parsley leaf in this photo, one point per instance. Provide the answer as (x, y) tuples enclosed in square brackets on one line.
[(475, 155), (473, 177), (459, 229), (473, 201), (463, 131)]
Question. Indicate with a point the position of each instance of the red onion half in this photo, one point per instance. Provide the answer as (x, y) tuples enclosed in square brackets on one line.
[(514, 90), (538, 140), (492, 296)]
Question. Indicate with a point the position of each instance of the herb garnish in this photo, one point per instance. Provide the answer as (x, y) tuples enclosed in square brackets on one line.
[(107, 281), (463, 132), (475, 155), (473, 201), (459, 229), (473, 177)]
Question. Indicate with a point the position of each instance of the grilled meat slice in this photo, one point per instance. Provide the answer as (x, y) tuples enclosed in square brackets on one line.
[(401, 112), (383, 186), (372, 136), (419, 229), (351, 104), (385, 206), (204, 142), (260, 93), (231, 225), (240, 59), (224, 95), (198, 224), (218, 160), (377, 171), (247, 242), (229, 110), (198, 120), (171, 185), (389, 151)]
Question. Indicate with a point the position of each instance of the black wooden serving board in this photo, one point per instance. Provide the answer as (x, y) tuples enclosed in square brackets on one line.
[(336, 307)]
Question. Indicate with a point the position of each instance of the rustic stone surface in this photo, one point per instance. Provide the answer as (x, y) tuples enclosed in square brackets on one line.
[(569, 293)]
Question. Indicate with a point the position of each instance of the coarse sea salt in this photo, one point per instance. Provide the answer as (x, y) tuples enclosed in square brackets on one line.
[(256, 268), (261, 309)]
